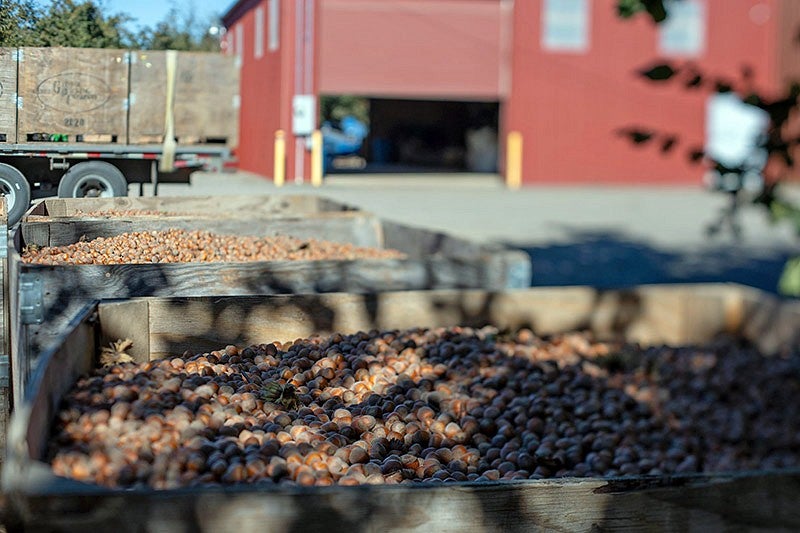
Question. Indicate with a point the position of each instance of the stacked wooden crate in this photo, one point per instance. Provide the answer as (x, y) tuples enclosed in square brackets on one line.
[(206, 98), (116, 96), (72, 95)]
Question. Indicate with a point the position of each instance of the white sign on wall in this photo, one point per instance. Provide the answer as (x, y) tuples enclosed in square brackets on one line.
[(304, 114)]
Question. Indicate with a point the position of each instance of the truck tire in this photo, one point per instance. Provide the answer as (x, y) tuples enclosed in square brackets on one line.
[(17, 191), (92, 179)]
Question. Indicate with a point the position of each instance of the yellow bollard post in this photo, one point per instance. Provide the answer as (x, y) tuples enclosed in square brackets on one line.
[(514, 160), (279, 169), (316, 158)]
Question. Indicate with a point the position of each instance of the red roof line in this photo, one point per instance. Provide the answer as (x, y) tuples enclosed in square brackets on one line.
[(237, 11)]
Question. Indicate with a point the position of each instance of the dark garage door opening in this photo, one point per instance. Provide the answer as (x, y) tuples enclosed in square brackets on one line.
[(426, 136)]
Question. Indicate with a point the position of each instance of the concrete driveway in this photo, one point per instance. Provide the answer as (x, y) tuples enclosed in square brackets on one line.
[(600, 236)]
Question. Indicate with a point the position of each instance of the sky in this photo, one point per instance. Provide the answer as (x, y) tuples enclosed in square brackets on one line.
[(150, 12)]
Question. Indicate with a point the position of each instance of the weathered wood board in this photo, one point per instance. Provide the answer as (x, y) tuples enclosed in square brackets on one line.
[(206, 99), (227, 206), (8, 95), (652, 315), (674, 314), (5, 352), (356, 228), (78, 92)]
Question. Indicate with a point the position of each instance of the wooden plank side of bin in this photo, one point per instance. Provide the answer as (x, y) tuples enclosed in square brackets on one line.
[(171, 325), (675, 315), (65, 290), (628, 313), (210, 206), (5, 344), (502, 268), (16, 332), (76, 355), (770, 320), (357, 228), (698, 502)]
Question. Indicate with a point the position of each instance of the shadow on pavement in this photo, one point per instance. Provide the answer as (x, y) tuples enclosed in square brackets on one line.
[(610, 260)]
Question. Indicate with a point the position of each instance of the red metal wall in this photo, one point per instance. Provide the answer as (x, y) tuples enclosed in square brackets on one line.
[(447, 49), (259, 116), (788, 43), (568, 106), (269, 82)]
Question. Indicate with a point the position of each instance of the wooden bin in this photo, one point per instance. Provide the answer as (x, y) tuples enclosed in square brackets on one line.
[(45, 298), (160, 327), (73, 95), (67, 209), (206, 98), (8, 95)]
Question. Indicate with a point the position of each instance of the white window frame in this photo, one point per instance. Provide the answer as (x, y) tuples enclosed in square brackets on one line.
[(683, 34), (566, 25), (274, 25), (258, 44)]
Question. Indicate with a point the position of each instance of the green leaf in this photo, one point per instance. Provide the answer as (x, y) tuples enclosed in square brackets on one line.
[(637, 136), (660, 72), (668, 143), (656, 10), (696, 155), (628, 8), (789, 283), (723, 86)]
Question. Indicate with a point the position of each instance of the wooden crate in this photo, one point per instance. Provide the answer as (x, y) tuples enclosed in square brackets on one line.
[(8, 95), (671, 314), (46, 298), (80, 93), (195, 206), (206, 100)]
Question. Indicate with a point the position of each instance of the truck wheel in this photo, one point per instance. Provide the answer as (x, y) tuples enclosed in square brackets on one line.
[(92, 179), (17, 191)]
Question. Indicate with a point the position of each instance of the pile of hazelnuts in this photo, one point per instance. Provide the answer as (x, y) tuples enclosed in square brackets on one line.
[(443, 405), (185, 246)]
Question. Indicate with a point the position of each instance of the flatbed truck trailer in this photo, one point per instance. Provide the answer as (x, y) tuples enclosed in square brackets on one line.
[(78, 170)]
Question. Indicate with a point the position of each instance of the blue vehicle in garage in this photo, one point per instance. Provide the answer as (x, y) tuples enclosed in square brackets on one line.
[(346, 140)]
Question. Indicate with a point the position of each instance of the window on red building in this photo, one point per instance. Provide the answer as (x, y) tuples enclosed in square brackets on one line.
[(565, 25), (684, 31), (274, 24), (258, 47)]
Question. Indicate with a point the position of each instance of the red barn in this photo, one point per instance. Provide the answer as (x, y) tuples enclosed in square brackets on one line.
[(565, 74)]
